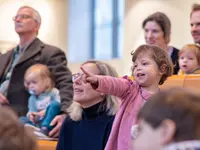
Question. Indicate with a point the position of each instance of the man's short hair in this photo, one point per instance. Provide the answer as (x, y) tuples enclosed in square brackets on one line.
[(182, 106), (195, 7), (36, 14)]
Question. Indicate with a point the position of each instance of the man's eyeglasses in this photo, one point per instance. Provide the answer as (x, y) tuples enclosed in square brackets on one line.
[(22, 16), (75, 76)]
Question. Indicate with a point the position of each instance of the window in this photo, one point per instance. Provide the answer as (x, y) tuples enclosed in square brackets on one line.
[(95, 29)]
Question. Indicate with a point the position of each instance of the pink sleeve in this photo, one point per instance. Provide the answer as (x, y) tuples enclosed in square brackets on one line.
[(119, 87)]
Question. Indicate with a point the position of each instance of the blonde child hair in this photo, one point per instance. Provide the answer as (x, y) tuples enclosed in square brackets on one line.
[(40, 71)]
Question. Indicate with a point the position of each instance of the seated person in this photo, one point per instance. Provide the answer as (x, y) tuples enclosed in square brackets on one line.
[(91, 114), (157, 31), (13, 136), (44, 100), (189, 59), (169, 120)]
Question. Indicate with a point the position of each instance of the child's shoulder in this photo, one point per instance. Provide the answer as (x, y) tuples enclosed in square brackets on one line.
[(55, 90), (129, 78)]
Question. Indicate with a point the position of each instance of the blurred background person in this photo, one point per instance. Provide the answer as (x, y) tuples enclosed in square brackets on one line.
[(157, 31), (169, 120)]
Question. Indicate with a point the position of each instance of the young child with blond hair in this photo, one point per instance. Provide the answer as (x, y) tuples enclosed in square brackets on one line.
[(189, 59), (44, 100), (152, 66)]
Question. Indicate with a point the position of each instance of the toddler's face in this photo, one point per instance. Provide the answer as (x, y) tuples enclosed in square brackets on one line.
[(146, 72), (188, 62), (34, 84)]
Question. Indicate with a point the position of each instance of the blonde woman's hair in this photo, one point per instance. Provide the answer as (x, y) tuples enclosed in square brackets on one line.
[(41, 71), (111, 103)]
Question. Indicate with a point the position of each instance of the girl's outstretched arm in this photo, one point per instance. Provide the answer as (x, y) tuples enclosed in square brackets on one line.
[(119, 87)]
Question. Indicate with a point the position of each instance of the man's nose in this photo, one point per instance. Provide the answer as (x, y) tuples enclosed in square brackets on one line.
[(194, 27)]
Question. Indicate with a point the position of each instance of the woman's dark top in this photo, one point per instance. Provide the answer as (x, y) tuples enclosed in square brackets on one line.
[(174, 57), (90, 133)]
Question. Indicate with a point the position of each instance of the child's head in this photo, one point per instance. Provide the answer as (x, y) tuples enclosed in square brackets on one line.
[(13, 135), (38, 79), (151, 65), (189, 58), (169, 116)]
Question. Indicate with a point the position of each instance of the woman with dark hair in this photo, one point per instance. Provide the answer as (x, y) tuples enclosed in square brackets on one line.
[(157, 31), (91, 114)]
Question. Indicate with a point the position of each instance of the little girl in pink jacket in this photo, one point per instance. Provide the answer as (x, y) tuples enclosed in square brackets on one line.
[(151, 67)]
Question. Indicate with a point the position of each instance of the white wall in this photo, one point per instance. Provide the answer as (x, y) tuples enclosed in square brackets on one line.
[(55, 17), (136, 11), (54, 20)]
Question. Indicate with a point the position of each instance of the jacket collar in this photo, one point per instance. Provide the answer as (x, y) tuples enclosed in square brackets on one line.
[(33, 48)]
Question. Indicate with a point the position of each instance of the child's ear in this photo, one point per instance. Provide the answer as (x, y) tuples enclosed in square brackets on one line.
[(168, 129), (25, 85), (163, 68)]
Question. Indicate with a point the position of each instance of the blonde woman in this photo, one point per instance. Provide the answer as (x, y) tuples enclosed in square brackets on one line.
[(91, 114)]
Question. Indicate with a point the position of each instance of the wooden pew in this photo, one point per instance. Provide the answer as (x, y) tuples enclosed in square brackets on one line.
[(47, 145), (186, 81)]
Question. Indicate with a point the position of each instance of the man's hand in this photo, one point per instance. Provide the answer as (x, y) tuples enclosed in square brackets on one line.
[(3, 100), (57, 122)]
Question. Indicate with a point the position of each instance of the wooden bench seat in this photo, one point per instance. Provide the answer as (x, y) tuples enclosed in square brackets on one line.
[(47, 145), (186, 81)]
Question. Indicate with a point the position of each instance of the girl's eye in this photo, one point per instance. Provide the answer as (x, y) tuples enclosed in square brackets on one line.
[(145, 63)]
